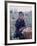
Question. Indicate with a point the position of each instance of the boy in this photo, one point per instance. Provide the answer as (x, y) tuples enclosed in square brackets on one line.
[(20, 25)]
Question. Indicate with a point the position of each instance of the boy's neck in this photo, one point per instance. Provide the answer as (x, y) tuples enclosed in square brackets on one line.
[(20, 19)]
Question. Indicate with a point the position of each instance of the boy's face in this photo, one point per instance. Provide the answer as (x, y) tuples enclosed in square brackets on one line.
[(21, 16)]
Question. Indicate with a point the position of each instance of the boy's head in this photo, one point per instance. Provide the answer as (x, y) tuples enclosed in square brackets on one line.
[(21, 15)]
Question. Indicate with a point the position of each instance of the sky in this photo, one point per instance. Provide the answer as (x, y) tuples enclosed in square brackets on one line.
[(20, 7)]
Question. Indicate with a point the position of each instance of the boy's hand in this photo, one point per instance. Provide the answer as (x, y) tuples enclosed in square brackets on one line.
[(21, 29)]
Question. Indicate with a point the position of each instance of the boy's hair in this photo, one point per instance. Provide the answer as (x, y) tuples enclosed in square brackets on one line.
[(21, 13)]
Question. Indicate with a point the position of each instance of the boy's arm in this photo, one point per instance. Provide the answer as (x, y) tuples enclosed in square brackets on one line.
[(24, 26), (17, 24)]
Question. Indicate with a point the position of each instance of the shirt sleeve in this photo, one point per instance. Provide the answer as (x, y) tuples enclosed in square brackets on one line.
[(17, 24), (24, 24)]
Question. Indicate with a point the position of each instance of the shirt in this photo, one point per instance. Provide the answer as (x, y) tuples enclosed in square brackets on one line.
[(19, 24)]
